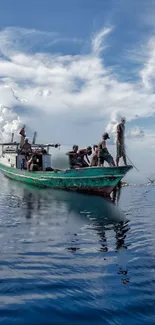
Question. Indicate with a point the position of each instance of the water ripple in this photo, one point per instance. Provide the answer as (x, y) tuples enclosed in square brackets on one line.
[(73, 259)]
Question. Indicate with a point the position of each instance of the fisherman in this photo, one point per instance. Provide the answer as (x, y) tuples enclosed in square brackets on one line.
[(83, 154), (73, 157), (32, 164), (94, 159), (26, 148), (29, 162), (120, 142), (23, 135), (103, 153)]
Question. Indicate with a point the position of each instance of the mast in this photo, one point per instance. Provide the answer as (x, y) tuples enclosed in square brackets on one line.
[(34, 137), (12, 137)]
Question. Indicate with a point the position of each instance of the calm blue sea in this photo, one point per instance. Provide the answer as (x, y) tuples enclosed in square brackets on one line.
[(74, 259)]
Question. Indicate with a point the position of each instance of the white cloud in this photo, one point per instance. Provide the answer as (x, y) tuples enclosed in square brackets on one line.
[(148, 72), (22, 100), (136, 132), (98, 44), (9, 123), (70, 98)]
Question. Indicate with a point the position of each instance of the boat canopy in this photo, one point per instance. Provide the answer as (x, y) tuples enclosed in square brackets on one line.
[(10, 147)]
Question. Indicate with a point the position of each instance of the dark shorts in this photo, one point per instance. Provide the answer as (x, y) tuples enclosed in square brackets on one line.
[(83, 163), (120, 150), (106, 157), (100, 161)]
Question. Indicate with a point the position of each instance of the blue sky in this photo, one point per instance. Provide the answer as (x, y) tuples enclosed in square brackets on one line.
[(74, 18), (71, 68)]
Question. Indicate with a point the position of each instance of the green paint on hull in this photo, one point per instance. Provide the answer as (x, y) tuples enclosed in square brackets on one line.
[(100, 180)]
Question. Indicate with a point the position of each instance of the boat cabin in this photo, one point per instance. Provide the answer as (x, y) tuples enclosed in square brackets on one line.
[(11, 155)]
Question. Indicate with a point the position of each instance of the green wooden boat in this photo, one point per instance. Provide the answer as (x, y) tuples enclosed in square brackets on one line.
[(91, 180)]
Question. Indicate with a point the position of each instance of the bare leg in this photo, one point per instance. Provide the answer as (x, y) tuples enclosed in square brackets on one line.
[(117, 161), (124, 159), (99, 164)]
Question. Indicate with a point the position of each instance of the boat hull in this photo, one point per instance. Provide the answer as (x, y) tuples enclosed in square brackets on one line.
[(98, 181)]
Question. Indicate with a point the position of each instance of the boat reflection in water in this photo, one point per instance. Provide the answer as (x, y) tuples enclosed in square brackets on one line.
[(75, 222)]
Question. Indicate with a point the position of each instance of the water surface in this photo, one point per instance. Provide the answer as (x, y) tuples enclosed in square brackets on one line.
[(68, 258)]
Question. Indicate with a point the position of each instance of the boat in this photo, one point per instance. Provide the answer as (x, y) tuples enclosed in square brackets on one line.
[(91, 180)]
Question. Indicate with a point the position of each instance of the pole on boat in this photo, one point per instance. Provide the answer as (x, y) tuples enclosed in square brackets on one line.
[(12, 137), (34, 137), (133, 164)]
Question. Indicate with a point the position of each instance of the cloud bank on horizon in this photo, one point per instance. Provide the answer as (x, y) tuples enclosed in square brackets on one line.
[(75, 97)]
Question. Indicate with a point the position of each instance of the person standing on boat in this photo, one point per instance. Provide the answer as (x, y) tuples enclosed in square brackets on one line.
[(73, 157), (103, 153), (22, 166), (27, 146), (120, 146), (94, 159), (26, 149), (23, 135), (83, 154)]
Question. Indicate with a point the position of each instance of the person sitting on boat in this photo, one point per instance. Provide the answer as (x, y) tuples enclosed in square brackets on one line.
[(94, 159), (103, 153), (23, 135), (82, 155), (29, 162), (32, 164), (73, 157)]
